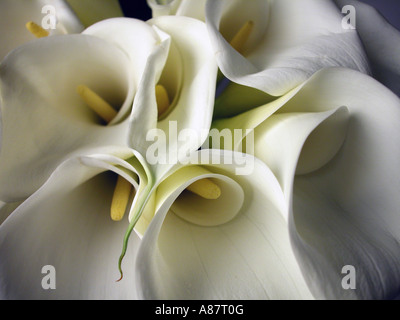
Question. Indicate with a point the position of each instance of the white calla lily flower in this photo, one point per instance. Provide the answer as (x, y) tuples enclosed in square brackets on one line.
[(332, 144), (183, 64), (322, 195), (66, 224), (281, 43), (106, 59), (236, 247), (15, 14), (42, 112), (381, 42), (184, 252), (169, 56)]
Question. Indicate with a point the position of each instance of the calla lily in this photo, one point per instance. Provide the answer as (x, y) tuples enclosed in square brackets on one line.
[(42, 112), (270, 47), (66, 224), (15, 14), (332, 144), (184, 65), (282, 43), (104, 57), (381, 41), (235, 247), (184, 252)]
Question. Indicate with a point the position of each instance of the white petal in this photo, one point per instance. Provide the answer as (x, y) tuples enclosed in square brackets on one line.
[(66, 224), (43, 117), (247, 258), (347, 212), (184, 64), (381, 41), (14, 14), (300, 142), (297, 39), (137, 40)]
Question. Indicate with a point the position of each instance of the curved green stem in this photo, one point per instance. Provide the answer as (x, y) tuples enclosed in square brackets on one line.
[(136, 217)]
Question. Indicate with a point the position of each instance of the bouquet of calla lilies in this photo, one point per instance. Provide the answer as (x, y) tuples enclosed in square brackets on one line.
[(223, 149)]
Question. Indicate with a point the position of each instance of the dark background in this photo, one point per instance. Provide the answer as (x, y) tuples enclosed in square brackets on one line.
[(389, 9)]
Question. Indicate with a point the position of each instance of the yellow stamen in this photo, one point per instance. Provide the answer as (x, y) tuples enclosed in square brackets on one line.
[(162, 99), (36, 30), (123, 188), (239, 40), (206, 189), (120, 199), (97, 103)]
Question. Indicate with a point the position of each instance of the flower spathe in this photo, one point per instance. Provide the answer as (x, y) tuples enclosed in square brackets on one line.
[(291, 40), (115, 71), (42, 111), (248, 256), (184, 65), (322, 195), (70, 205), (331, 143), (105, 57), (53, 226)]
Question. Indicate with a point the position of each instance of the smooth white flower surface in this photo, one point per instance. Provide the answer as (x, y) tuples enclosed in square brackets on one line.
[(184, 64), (184, 252), (44, 120), (14, 14), (332, 144), (321, 189), (66, 224), (381, 41), (289, 42), (104, 57), (187, 253), (42, 111)]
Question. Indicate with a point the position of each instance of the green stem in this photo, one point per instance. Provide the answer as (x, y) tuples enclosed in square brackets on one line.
[(131, 226)]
